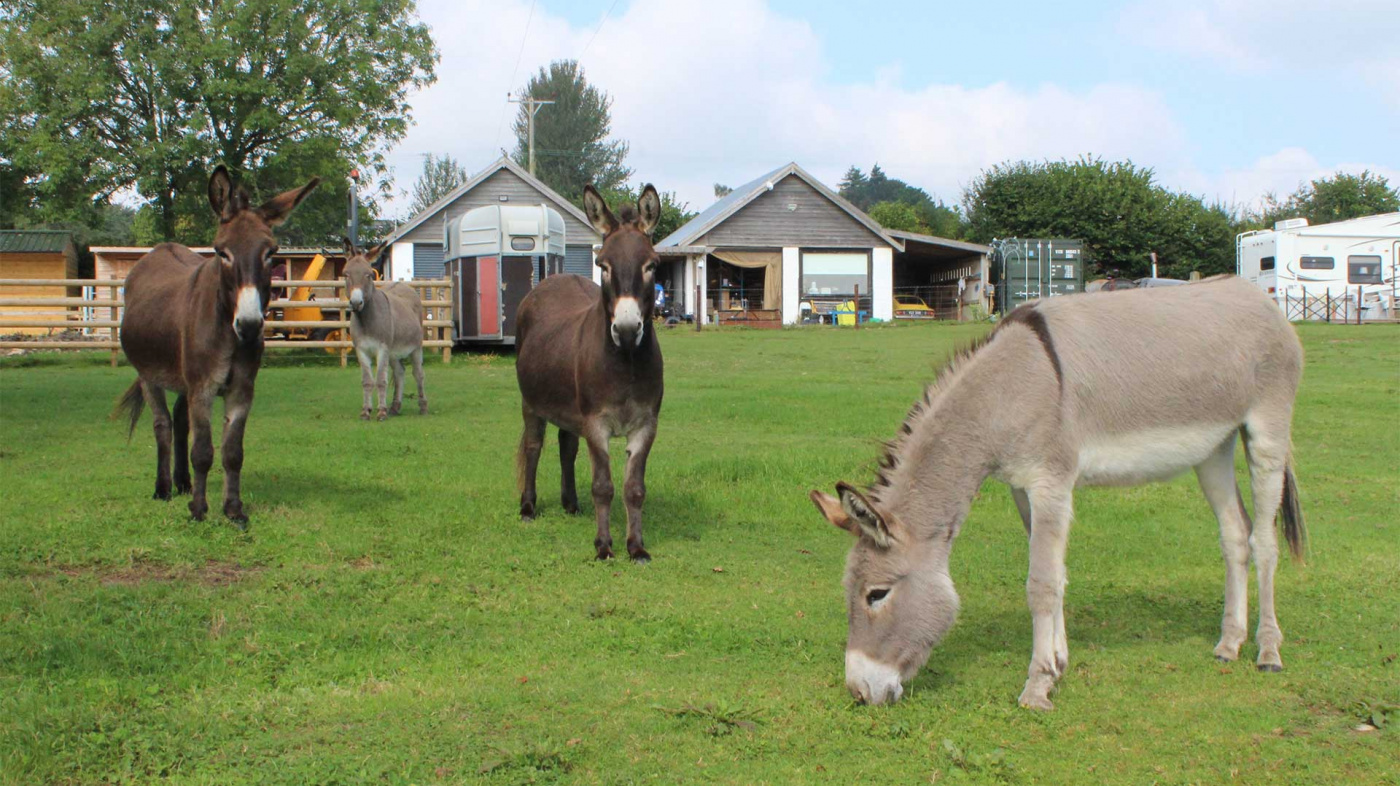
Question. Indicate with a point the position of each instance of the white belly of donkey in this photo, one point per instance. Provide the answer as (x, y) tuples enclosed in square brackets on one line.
[(1148, 455)]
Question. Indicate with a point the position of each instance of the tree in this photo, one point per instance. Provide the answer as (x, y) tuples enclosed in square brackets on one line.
[(440, 176), (722, 191), (1116, 208), (898, 215), (1329, 199), (674, 213), (929, 214), (103, 96), (572, 145)]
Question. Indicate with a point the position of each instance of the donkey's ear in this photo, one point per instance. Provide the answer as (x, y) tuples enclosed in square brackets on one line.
[(865, 515), (221, 193), (599, 215), (349, 247), (830, 507), (275, 210), (649, 208), (374, 253)]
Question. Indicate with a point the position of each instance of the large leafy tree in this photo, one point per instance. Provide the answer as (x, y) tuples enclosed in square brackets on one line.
[(573, 147), (889, 196), (674, 213), (440, 176), (109, 96), (1116, 208), (1328, 199)]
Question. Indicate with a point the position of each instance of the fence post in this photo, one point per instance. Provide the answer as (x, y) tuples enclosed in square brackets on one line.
[(699, 309), (444, 293), (342, 292), (1358, 304), (1329, 305), (856, 303)]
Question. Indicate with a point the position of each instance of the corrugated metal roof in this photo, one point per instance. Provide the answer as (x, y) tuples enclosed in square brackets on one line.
[(934, 240), (34, 241), (734, 201)]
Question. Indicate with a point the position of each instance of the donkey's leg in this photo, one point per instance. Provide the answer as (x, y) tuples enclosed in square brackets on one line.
[(381, 381), (1023, 507), (1267, 448), (597, 440), (528, 461), (634, 489), (1051, 511), (202, 455), (238, 401), (568, 455), (1217, 477), (182, 444), (160, 424), (395, 407), (366, 380), (418, 377)]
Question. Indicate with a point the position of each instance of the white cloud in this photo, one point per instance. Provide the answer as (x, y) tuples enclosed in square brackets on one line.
[(726, 90), (1281, 173)]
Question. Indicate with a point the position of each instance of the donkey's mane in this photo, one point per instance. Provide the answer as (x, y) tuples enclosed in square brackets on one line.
[(626, 214), (891, 451)]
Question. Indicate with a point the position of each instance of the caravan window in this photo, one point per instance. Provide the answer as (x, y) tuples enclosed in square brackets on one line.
[(1364, 270), (522, 243), (1317, 263), (1267, 263)]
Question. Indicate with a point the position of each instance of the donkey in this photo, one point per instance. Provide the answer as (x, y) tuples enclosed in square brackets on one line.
[(386, 324), (1117, 388), (195, 326), (588, 362)]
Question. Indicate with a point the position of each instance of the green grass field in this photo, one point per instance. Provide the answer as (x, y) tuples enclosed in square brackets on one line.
[(388, 619)]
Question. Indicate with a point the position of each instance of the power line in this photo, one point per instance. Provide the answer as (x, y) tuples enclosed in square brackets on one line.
[(598, 30), (514, 72)]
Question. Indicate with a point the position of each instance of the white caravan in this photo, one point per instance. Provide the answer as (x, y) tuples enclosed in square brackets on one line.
[(1302, 266)]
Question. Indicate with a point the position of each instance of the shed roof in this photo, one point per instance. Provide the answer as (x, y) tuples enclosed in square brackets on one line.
[(34, 241), (504, 162), (940, 242), (714, 215)]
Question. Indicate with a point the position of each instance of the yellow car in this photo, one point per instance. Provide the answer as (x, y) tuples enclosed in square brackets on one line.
[(910, 307)]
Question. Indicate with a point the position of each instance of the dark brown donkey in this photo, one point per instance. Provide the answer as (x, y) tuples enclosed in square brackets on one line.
[(195, 326), (588, 362)]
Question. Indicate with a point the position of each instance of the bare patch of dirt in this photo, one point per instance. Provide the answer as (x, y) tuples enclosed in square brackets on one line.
[(213, 573)]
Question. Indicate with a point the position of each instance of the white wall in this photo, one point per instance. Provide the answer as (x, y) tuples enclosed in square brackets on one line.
[(597, 271), (400, 262), (882, 284), (792, 294)]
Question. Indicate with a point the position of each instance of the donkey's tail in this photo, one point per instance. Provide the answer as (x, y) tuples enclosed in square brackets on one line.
[(1295, 531), (130, 404)]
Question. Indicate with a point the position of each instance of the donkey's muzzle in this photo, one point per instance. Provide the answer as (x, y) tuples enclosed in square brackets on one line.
[(627, 323), (870, 681), (357, 300), (248, 331), (248, 316)]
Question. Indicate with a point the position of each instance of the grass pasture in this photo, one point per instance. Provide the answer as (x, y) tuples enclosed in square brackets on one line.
[(388, 619)]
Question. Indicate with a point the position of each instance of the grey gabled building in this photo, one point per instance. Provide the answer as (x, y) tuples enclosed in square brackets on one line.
[(416, 244)]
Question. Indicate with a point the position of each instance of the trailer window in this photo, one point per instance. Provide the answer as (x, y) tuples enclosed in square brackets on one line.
[(1267, 263), (522, 243), (1364, 270), (1317, 263)]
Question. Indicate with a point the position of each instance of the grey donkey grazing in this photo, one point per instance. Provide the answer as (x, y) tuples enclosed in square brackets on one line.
[(386, 324), (1118, 388)]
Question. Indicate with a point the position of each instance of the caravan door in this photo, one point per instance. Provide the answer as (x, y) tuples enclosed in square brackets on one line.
[(488, 297)]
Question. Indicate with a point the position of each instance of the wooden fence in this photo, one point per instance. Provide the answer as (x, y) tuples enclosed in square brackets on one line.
[(96, 316)]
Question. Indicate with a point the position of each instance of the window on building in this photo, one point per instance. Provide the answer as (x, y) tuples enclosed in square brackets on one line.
[(1317, 263), (1363, 270), (1267, 263), (835, 273)]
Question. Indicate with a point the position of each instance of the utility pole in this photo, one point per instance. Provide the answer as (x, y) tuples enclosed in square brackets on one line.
[(532, 106)]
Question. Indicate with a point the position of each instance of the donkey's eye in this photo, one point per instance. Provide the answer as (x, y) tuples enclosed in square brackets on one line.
[(875, 596)]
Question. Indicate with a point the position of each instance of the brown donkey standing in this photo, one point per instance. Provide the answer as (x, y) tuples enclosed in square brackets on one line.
[(195, 326), (588, 362)]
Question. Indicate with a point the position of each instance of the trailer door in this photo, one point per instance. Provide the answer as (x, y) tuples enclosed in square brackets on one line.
[(516, 274), (488, 297)]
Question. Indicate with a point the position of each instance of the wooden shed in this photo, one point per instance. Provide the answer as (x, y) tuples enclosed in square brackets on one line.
[(777, 249), (417, 244), (38, 255)]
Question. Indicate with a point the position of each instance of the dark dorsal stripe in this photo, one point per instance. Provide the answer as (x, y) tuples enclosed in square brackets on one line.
[(1031, 317)]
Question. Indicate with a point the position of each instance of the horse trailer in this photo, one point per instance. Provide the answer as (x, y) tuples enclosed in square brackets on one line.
[(495, 256), (1032, 269), (1300, 265)]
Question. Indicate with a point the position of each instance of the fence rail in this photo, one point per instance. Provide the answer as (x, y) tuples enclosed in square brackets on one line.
[(98, 319)]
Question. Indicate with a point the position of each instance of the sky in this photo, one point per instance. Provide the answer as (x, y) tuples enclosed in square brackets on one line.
[(1225, 99)]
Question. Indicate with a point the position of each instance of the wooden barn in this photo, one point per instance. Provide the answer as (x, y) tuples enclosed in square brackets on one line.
[(38, 255), (417, 244), (785, 249)]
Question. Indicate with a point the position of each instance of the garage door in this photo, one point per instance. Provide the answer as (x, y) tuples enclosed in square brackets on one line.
[(579, 260), (427, 261)]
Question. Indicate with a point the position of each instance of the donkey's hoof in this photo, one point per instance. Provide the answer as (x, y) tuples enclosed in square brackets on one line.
[(1223, 659), (364, 415), (1270, 667), (639, 555), (183, 486), (394, 410), (605, 552), (1040, 702), (422, 407), (527, 511), (383, 415), (198, 509), (570, 506), (162, 494)]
